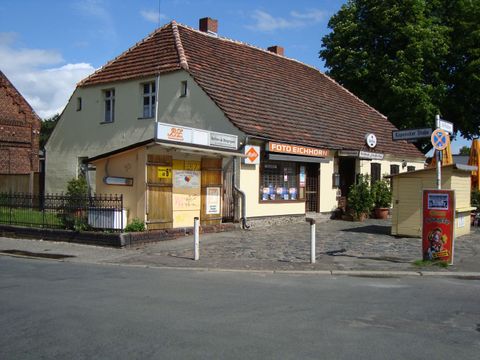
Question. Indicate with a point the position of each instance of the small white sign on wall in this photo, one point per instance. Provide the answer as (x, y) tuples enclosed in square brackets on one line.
[(213, 201), (461, 221)]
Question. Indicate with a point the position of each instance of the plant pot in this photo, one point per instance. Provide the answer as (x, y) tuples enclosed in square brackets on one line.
[(381, 213), (361, 217)]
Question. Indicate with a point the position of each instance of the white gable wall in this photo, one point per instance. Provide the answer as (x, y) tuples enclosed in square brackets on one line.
[(82, 133)]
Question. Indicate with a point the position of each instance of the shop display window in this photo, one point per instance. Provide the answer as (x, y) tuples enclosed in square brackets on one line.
[(279, 181)]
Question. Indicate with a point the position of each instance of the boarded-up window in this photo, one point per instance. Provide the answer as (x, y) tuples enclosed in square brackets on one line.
[(375, 171)]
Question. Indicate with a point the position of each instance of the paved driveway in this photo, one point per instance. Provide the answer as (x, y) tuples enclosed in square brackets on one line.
[(340, 245)]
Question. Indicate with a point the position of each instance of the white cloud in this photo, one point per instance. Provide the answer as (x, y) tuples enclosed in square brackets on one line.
[(310, 16), (40, 75), (268, 23), (152, 16)]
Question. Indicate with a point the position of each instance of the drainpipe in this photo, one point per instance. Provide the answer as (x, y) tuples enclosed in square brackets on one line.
[(243, 197)]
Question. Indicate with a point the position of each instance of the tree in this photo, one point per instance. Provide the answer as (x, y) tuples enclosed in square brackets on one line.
[(397, 56), (463, 97), (464, 150), (46, 129)]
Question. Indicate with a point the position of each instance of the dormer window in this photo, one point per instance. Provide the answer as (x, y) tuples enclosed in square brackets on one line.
[(149, 100), (109, 98)]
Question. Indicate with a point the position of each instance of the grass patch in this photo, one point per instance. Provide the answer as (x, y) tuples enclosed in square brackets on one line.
[(429, 263), (29, 217)]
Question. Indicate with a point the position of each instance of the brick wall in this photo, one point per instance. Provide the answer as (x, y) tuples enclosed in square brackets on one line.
[(19, 132)]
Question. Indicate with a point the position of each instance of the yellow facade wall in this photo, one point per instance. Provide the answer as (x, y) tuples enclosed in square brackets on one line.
[(365, 167), (129, 164), (328, 194)]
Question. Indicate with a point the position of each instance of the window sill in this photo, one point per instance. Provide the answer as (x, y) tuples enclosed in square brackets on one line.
[(146, 118), (280, 201), (106, 122)]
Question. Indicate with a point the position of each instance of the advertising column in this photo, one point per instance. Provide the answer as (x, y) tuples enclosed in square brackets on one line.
[(438, 225)]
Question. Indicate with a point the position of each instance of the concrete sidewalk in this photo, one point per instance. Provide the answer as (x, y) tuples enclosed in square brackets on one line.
[(342, 247)]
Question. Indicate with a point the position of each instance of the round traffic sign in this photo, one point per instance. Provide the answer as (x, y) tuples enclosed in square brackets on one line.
[(440, 139)]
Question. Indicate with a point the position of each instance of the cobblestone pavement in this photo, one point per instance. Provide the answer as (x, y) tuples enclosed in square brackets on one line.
[(341, 245)]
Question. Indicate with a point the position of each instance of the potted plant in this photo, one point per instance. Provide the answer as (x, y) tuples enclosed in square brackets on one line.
[(360, 199), (382, 198)]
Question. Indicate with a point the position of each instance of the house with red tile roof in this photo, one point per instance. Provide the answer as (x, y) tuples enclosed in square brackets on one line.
[(185, 119), (19, 139)]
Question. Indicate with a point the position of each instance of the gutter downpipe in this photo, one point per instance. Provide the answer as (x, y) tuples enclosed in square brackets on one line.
[(243, 197)]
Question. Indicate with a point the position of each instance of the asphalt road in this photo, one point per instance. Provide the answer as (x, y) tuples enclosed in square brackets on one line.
[(59, 310)]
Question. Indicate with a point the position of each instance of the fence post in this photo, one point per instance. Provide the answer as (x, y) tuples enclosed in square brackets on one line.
[(196, 240), (312, 239), (121, 213)]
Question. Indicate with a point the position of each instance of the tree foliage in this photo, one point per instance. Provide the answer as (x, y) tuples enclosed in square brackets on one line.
[(410, 59), (46, 129), (464, 150)]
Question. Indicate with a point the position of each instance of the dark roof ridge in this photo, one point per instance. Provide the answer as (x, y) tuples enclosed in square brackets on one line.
[(83, 81), (238, 42), (179, 46)]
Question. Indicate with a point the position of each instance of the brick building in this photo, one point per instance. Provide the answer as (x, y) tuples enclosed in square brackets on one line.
[(19, 132)]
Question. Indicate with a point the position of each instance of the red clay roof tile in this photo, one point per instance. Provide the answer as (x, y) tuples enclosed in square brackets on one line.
[(262, 93)]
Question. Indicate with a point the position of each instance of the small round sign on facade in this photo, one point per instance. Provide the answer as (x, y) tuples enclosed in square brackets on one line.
[(440, 139), (371, 140)]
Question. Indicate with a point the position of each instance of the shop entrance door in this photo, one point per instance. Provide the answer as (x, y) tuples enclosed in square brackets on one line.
[(346, 170), (159, 192), (311, 188)]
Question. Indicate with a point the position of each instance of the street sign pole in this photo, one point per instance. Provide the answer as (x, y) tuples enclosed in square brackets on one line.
[(439, 157)]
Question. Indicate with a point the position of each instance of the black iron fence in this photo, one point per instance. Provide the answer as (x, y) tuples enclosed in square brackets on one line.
[(59, 211)]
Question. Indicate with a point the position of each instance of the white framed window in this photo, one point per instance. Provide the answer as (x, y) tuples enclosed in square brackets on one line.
[(149, 93), (109, 98)]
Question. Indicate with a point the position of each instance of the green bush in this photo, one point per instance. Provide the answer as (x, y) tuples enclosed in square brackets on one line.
[(360, 199), (73, 215), (77, 187), (381, 193), (135, 226)]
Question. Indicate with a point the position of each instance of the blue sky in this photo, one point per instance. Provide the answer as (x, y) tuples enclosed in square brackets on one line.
[(47, 46)]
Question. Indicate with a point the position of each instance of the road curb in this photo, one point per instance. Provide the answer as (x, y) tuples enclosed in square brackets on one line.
[(356, 273)]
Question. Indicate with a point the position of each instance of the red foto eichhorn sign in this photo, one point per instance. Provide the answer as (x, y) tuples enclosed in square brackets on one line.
[(438, 225)]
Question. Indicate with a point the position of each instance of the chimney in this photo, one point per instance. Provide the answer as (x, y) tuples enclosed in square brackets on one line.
[(208, 25), (276, 49)]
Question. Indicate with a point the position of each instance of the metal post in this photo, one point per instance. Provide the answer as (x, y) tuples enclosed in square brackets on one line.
[(196, 236), (312, 239), (439, 157), (439, 170)]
